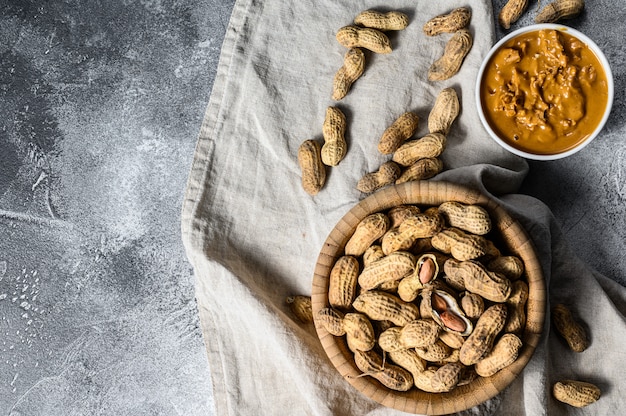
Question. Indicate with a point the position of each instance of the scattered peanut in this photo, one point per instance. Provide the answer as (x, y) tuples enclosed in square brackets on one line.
[(334, 128), (445, 110), (386, 174), (560, 9), (399, 131), (569, 328), (504, 353), (313, 170), (422, 169), (450, 62), (511, 12), (430, 145), (448, 23), (352, 69), (357, 37), (370, 229), (576, 393), (343, 282), (301, 307), (392, 20)]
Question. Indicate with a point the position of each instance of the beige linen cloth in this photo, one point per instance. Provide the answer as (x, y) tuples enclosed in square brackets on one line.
[(253, 235)]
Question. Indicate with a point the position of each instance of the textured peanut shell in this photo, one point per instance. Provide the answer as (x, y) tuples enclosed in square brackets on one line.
[(576, 393), (399, 213), (454, 53), (382, 306), (457, 19), (477, 279), (423, 380), (510, 266), (389, 340), (351, 70), (569, 328), (386, 174), (301, 307), (419, 333), (472, 304), (422, 169), (331, 320), (471, 218), (373, 253), (343, 282), (516, 319), (409, 360), (480, 342), (370, 229), (392, 20), (447, 377), (560, 9), (460, 245), (430, 145), (364, 37), (511, 12), (438, 351), (334, 129), (393, 266), (359, 332), (391, 376), (503, 354), (311, 166), (445, 110), (399, 131)]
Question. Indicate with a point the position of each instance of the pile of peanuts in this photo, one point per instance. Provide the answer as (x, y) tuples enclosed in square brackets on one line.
[(425, 300)]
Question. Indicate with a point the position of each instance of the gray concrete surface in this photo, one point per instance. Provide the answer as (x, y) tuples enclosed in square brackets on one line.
[(100, 106)]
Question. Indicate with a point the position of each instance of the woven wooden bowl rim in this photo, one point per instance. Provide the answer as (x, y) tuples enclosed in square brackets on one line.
[(517, 242)]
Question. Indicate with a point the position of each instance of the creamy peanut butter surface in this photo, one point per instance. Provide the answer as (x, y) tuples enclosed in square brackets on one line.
[(544, 92)]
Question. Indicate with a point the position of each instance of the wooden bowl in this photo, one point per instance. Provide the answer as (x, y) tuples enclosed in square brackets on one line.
[(512, 239)]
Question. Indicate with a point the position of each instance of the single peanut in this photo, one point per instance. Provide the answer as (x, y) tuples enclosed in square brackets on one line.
[(445, 110), (391, 376), (447, 377), (373, 253), (461, 245), (480, 341), (393, 266), (301, 307), (448, 23), (331, 320), (422, 169), (399, 213), (472, 304), (569, 328), (382, 306), (313, 170), (430, 145), (392, 20), (343, 282), (438, 351), (450, 62), (471, 218), (511, 12), (503, 354), (399, 131), (359, 332), (364, 37), (560, 9), (576, 393), (334, 129), (512, 267), (370, 229), (516, 320), (352, 69), (419, 333), (477, 279), (386, 174)]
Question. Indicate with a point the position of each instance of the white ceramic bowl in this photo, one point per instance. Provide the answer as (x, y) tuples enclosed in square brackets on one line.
[(572, 32)]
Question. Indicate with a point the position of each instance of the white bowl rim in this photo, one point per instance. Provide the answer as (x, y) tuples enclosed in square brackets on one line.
[(603, 61)]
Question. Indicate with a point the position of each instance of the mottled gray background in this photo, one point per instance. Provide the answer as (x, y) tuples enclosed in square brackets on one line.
[(100, 107)]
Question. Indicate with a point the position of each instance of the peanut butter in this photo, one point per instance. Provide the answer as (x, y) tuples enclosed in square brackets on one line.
[(544, 92)]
